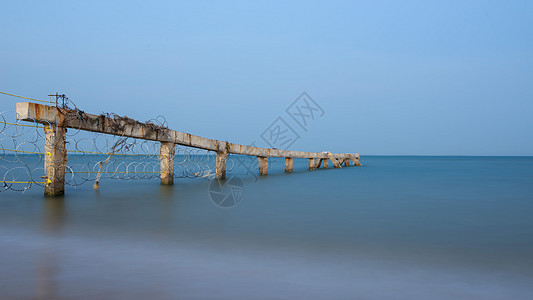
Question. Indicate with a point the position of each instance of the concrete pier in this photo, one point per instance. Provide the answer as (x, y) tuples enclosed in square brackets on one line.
[(263, 165), (222, 157), (346, 162), (355, 159), (335, 162), (57, 120), (34, 112), (288, 164), (167, 153), (318, 163), (55, 160), (311, 164)]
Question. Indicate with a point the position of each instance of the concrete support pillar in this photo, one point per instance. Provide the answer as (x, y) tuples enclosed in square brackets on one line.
[(355, 159), (288, 164), (346, 162), (55, 160), (263, 165), (318, 163), (326, 163), (311, 164), (335, 162), (167, 153), (222, 157)]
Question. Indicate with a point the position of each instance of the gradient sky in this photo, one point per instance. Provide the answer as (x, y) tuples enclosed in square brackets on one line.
[(393, 77)]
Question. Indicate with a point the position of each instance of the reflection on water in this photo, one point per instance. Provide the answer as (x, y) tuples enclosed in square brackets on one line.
[(167, 192), (54, 214), (46, 274), (47, 260), (416, 228)]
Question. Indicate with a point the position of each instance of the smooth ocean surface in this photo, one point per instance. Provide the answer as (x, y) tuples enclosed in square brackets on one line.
[(397, 228)]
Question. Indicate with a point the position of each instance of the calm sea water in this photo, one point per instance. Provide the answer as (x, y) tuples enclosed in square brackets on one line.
[(397, 228)]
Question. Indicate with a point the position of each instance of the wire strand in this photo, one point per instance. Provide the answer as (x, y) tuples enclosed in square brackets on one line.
[(23, 97)]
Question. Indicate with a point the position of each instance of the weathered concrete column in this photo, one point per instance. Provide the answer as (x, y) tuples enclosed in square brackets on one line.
[(346, 162), (311, 164), (355, 159), (288, 164), (55, 160), (222, 157), (335, 162), (167, 153), (263, 165), (318, 162), (326, 163)]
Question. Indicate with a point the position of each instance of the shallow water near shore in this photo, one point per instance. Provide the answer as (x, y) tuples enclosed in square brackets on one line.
[(396, 228)]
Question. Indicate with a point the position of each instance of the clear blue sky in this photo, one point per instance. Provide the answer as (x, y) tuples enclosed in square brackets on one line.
[(393, 77)]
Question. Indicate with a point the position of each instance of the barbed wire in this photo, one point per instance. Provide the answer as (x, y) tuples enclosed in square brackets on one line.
[(91, 157)]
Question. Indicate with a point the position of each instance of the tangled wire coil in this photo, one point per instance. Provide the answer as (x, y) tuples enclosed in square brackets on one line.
[(91, 156)]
